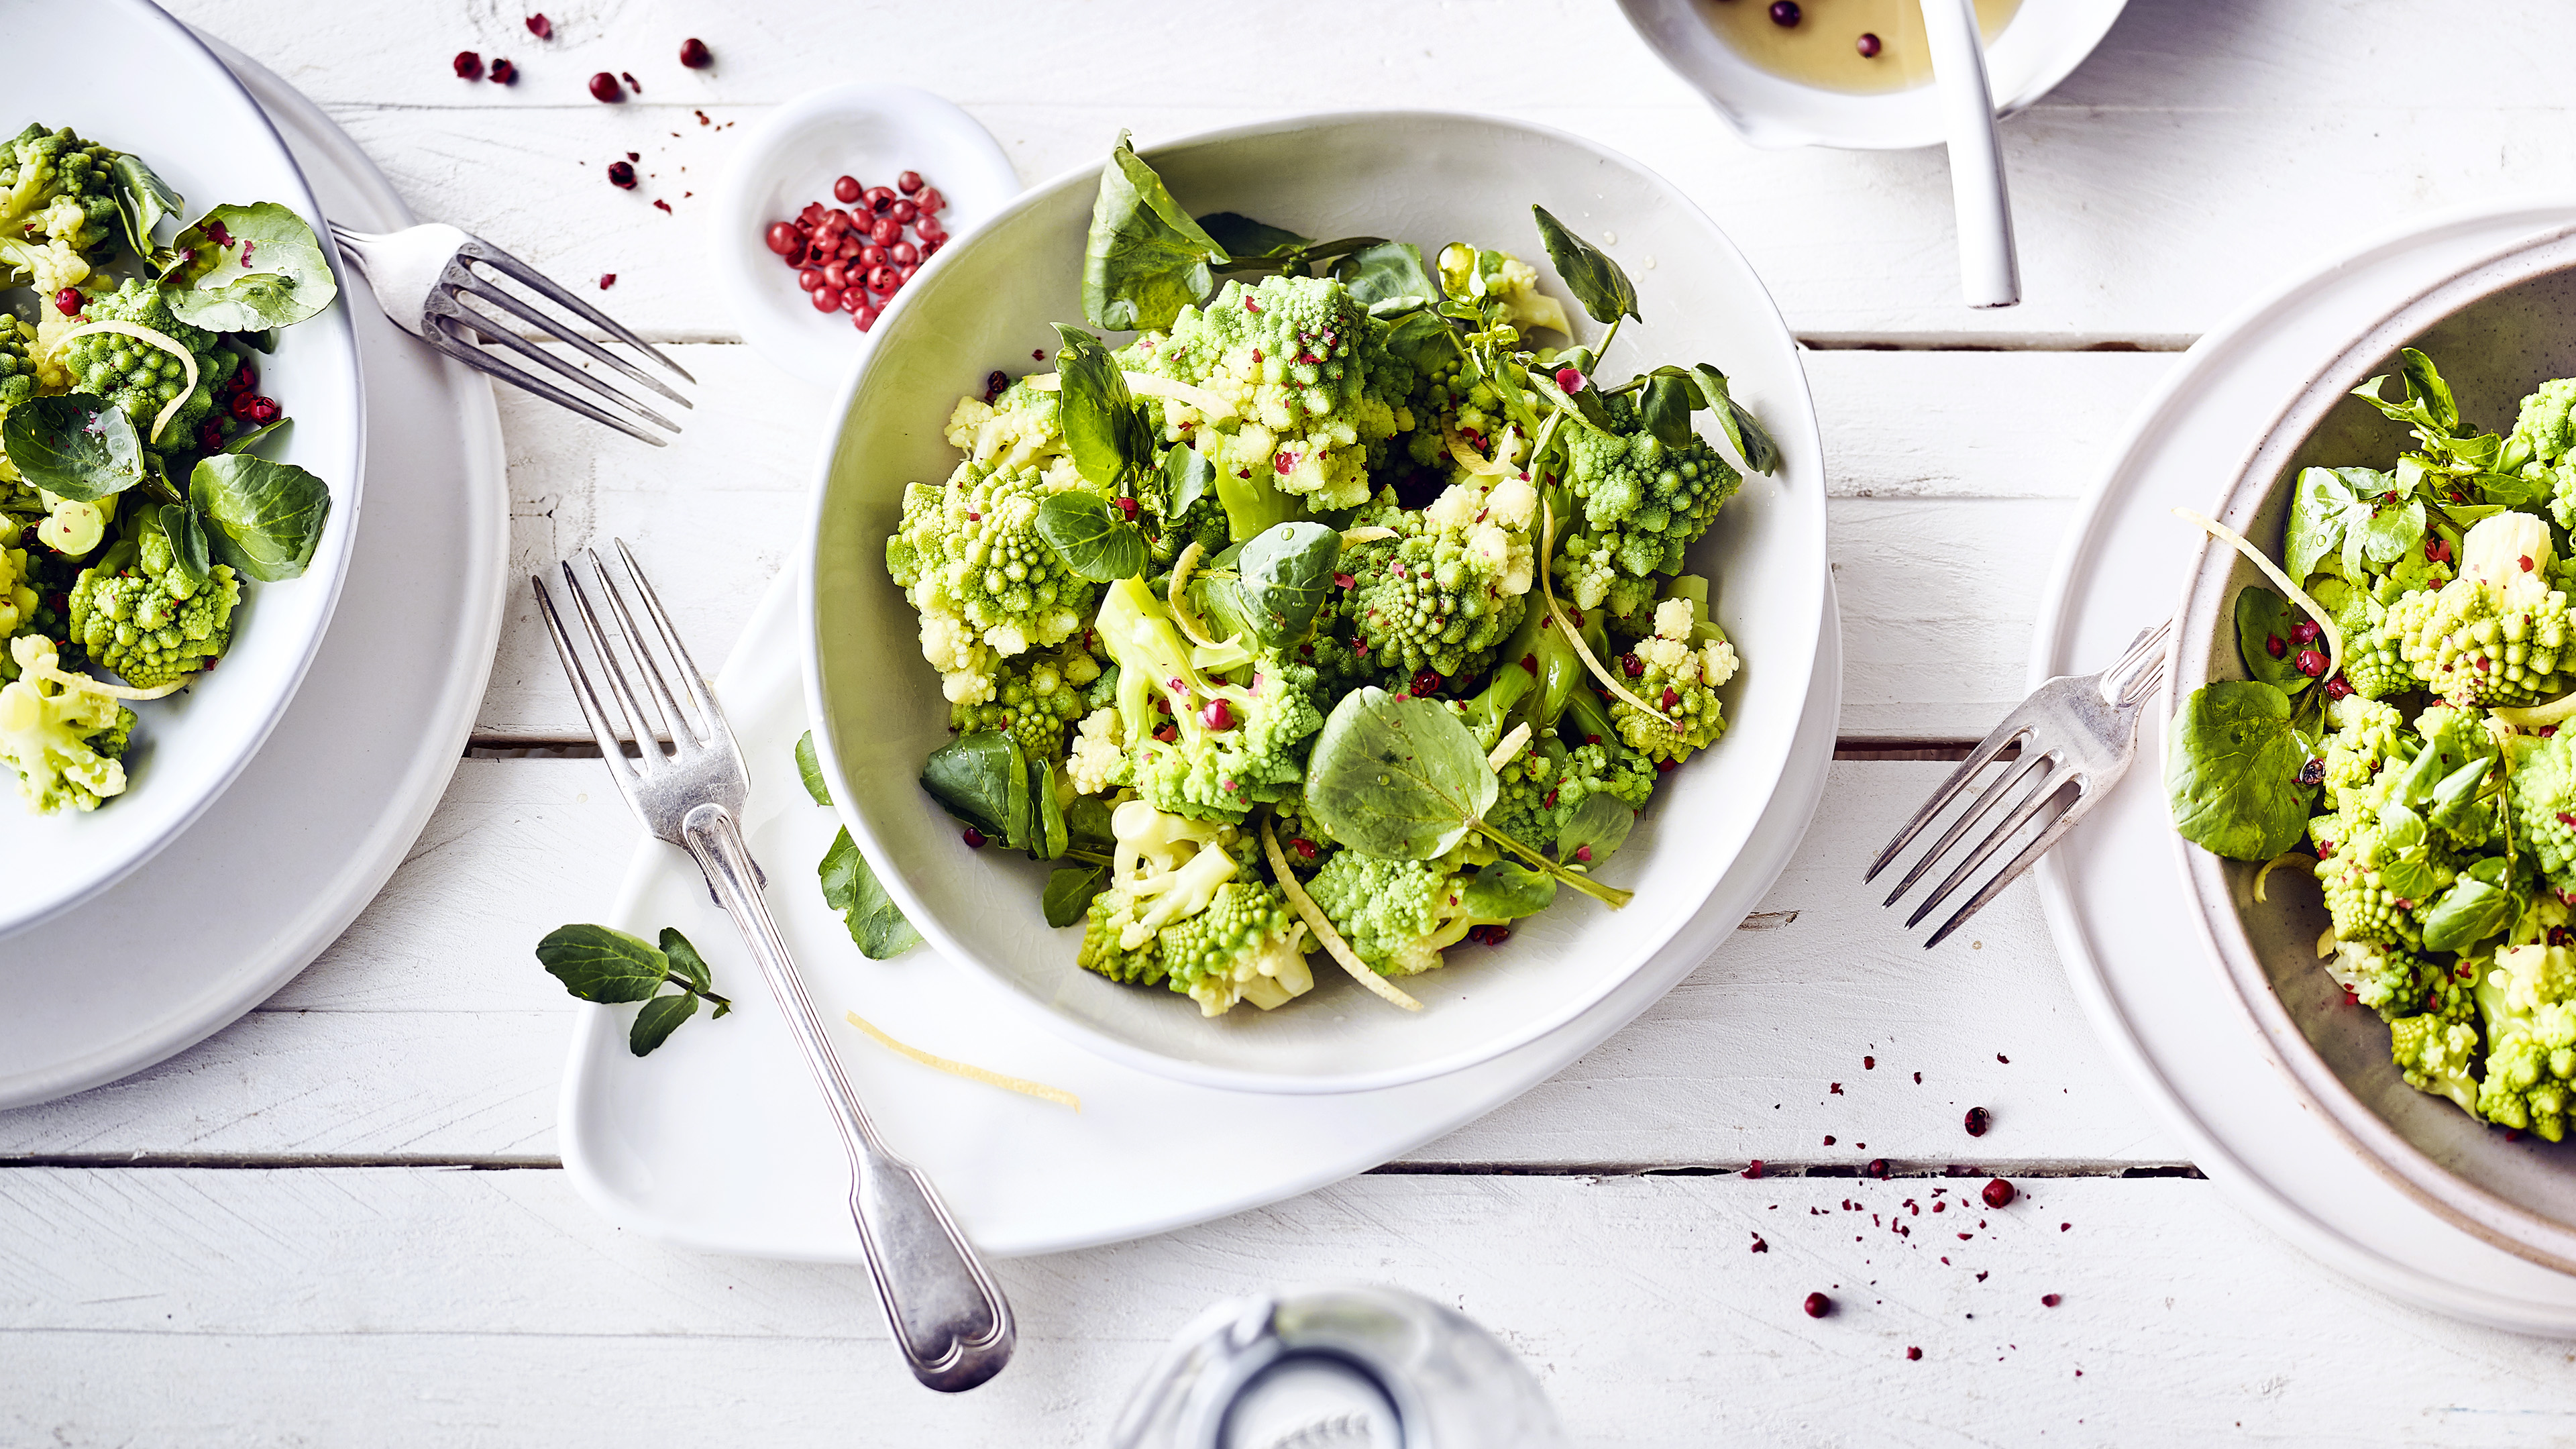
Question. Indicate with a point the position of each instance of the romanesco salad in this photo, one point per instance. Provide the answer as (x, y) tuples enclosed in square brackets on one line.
[(1327, 612), (2404, 719), (132, 509)]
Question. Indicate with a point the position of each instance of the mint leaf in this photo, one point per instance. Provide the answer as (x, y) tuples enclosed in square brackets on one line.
[(599, 964), (660, 1017)]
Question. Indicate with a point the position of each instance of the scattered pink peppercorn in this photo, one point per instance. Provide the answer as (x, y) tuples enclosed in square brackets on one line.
[(1818, 1305), (1869, 47), (2275, 645), (1753, 1168), (1305, 848), (1979, 1119), (469, 66), (1785, 13), (1878, 1168), (1569, 379), (2310, 663), (504, 73), (695, 55), (1997, 1193), (1912, 1354), (908, 183), (1217, 716), (973, 837), (846, 190), (1583, 855), (540, 27), (1425, 682), (2336, 688), (621, 174), (604, 88), (2049, 1300), (607, 280), (632, 83), (2306, 632), (68, 301)]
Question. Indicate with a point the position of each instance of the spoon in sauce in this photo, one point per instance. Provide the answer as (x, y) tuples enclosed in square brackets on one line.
[(1989, 267)]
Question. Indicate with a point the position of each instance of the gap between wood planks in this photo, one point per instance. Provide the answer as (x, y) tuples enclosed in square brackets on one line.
[(1897, 1170)]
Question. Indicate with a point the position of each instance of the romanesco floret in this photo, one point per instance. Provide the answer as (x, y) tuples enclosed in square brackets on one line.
[(1014, 431), (1036, 698), (2367, 736), (1312, 393), (2494, 636), (2543, 788), (143, 378), (1680, 678), (17, 591), (17, 378), (2436, 1053), (1542, 787), (2528, 1000), (1097, 763), (63, 741), (969, 557), (1453, 586), (57, 209), (1642, 503), (1201, 744), (1180, 908), (2380, 866), (2374, 664), (147, 620), (2546, 431), (1399, 915)]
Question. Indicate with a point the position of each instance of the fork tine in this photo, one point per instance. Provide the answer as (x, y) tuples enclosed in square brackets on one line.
[(490, 330), (1992, 745), (2015, 774), (2047, 790), (2030, 854), (546, 286), (648, 745), (611, 747), (685, 733), (437, 335), (520, 309), (701, 693)]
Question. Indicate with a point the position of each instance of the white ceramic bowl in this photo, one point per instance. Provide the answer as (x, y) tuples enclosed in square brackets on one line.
[(1428, 178), (2046, 40), (792, 156), (2497, 312), (170, 101)]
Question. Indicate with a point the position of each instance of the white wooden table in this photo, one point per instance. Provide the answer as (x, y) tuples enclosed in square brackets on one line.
[(342, 1220)]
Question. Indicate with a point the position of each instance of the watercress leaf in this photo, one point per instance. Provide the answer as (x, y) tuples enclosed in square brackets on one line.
[(660, 1017), (2424, 384), (1506, 890), (244, 442), (2264, 619), (687, 966), (1423, 339), (1069, 891), (1187, 476), (1599, 825), (1145, 259), (2506, 490), (1397, 778), (2390, 534), (2232, 771), (246, 269), (1752, 441), (1596, 281), (1095, 410), (81, 447), (1242, 239), (1666, 408), (1286, 573), (983, 779), (264, 518), (1090, 537), (1047, 837), (875, 922), (2469, 912), (1385, 273), (142, 199), (596, 963), (2321, 509), (809, 768), (188, 549), (1086, 825)]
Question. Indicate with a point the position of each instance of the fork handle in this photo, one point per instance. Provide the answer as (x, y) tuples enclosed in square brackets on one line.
[(949, 1317)]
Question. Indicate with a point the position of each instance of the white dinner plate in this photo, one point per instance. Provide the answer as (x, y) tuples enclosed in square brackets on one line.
[(2115, 902), (719, 1140), (167, 99), (289, 855)]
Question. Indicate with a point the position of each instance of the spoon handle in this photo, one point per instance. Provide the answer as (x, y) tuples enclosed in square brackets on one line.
[(1989, 268)]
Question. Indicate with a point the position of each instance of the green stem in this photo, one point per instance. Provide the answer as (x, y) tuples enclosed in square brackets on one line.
[(1607, 338), (1608, 895)]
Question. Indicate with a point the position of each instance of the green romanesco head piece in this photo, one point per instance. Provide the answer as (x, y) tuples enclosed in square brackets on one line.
[(1036, 698), (1453, 586), (2368, 734), (2393, 980), (969, 557), (1201, 743), (2544, 807), (1399, 915), (1311, 395), (1641, 502), (1184, 905), (2373, 663), (142, 378), (2438, 1055), (61, 740), (57, 209), (148, 621), (2527, 999), (1680, 678), (1247, 945), (1542, 787), (2543, 436), (2380, 865), (2494, 635)]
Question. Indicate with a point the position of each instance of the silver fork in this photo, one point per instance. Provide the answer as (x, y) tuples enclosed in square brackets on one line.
[(949, 1317), (2078, 734), (421, 276)]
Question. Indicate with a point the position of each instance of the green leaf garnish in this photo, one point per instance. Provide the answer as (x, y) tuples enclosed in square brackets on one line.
[(78, 446), (246, 269), (809, 768), (264, 518), (1145, 259), (2232, 771), (1596, 281), (875, 922), (599, 964), (1090, 537)]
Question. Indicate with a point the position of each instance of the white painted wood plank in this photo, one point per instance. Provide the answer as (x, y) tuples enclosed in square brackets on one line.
[(428, 1031), (1944, 468), (415, 1307), (2197, 158)]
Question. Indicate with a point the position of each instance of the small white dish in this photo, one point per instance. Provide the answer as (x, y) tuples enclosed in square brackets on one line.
[(281, 864), (1426, 177), (170, 101), (792, 157), (2045, 41)]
